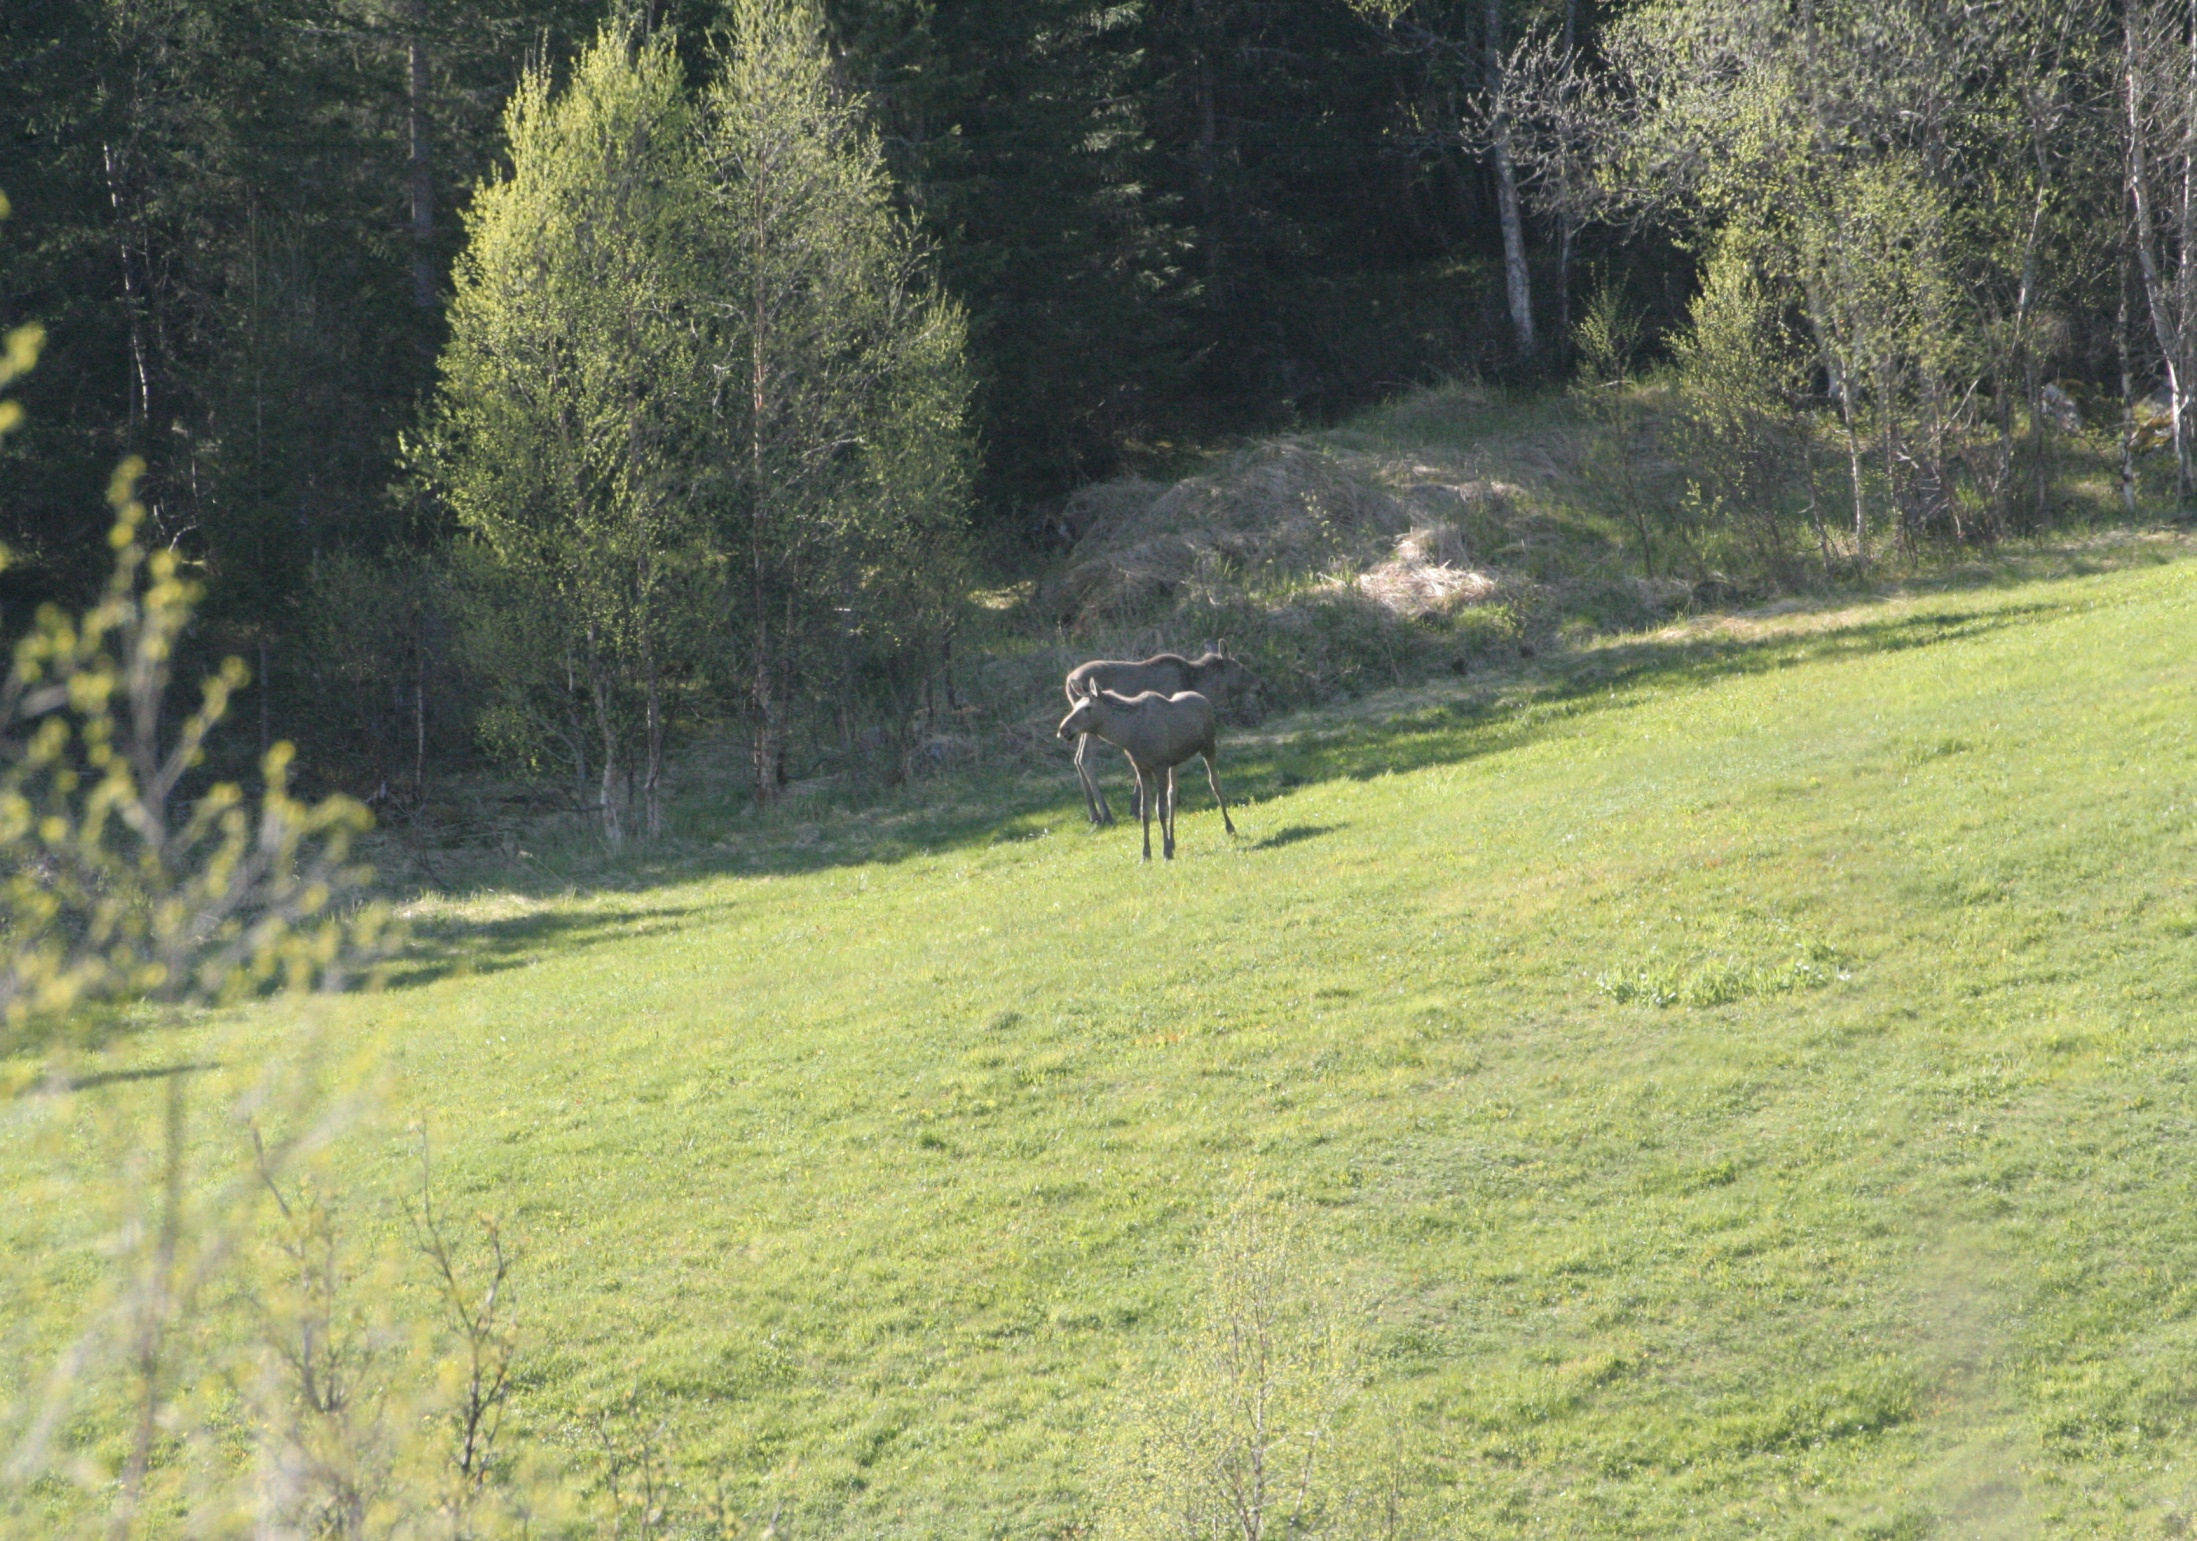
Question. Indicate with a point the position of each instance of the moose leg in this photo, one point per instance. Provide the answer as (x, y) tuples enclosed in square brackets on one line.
[(1167, 815), (1136, 787), (1144, 808), (1213, 779), (1094, 799)]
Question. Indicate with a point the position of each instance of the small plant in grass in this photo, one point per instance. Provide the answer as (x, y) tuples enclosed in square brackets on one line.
[(328, 1439), (1658, 985), (644, 1491), (476, 1366), (364, 1429), (1247, 1437), (1721, 981)]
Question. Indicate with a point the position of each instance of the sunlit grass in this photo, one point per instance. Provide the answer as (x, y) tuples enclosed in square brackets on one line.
[(1750, 1065)]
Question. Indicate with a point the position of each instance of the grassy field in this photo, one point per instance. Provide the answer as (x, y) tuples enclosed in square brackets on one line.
[(1749, 1067)]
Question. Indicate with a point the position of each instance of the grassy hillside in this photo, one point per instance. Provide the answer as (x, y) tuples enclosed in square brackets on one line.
[(1749, 1065)]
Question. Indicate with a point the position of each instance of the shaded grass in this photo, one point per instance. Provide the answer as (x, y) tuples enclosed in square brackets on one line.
[(889, 1150)]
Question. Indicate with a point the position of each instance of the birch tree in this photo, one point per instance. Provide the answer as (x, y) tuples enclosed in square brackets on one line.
[(1912, 181), (701, 404), (1517, 283), (842, 460), (1485, 123), (2159, 98), (569, 414)]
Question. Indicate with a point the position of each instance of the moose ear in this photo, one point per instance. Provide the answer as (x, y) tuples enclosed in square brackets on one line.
[(1220, 646)]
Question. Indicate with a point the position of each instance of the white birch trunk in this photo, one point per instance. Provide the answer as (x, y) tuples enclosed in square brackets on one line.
[(1517, 283)]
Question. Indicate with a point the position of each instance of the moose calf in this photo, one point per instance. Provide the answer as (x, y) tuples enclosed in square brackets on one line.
[(1157, 733), (1213, 674)]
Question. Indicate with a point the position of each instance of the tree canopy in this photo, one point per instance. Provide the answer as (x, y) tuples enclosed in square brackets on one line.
[(702, 406), (260, 237)]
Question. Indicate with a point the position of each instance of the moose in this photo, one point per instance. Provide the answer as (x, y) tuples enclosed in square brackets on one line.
[(1157, 732), (1213, 674)]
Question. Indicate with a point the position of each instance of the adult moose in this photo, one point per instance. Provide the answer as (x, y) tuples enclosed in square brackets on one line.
[(1213, 674), (1157, 733)]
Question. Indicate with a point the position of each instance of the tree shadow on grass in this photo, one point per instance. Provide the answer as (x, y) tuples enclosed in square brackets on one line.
[(1512, 713), (980, 808), (58, 1082), (1291, 834), (85, 1083), (444, 947)]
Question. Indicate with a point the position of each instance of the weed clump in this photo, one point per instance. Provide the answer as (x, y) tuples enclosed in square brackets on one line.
[(1721, 981), (1250, 1435)]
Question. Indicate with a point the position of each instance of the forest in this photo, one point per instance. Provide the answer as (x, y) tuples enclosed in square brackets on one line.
[(1881, 281)]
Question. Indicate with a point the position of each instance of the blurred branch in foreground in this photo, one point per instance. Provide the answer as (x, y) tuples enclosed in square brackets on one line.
[(117, 885)]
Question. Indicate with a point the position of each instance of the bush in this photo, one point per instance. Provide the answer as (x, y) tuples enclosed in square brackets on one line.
[(1248, 1433)]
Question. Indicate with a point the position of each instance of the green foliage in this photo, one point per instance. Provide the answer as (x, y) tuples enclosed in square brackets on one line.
[(18, 355), (568, 424), (1928, 298), (701, 408), (838, 436), (1741, 448), (108, 895), (1607, 344), (1720, 981), (1608, 338), (535, 714)]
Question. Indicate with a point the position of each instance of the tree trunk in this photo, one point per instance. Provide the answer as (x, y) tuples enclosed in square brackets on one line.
[(2032, 384), (1888, 438), (1208, 153), (2166, 325), (770, 737), (2185, 276), (576, 735), (652, 779), (1805, 431), (419, 714), (1517, 284), (423, 184), (2002, 472), (139, 388), (1853, 465), (769, 709), (2128, 397), (1565, 232), (2040, 439), (599, 689), (1838, 382)]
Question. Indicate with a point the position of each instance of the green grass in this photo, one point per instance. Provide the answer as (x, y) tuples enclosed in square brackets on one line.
[(1750, 1066)]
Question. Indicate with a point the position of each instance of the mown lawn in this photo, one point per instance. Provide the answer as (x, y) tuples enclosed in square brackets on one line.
[(1750, 1067)]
